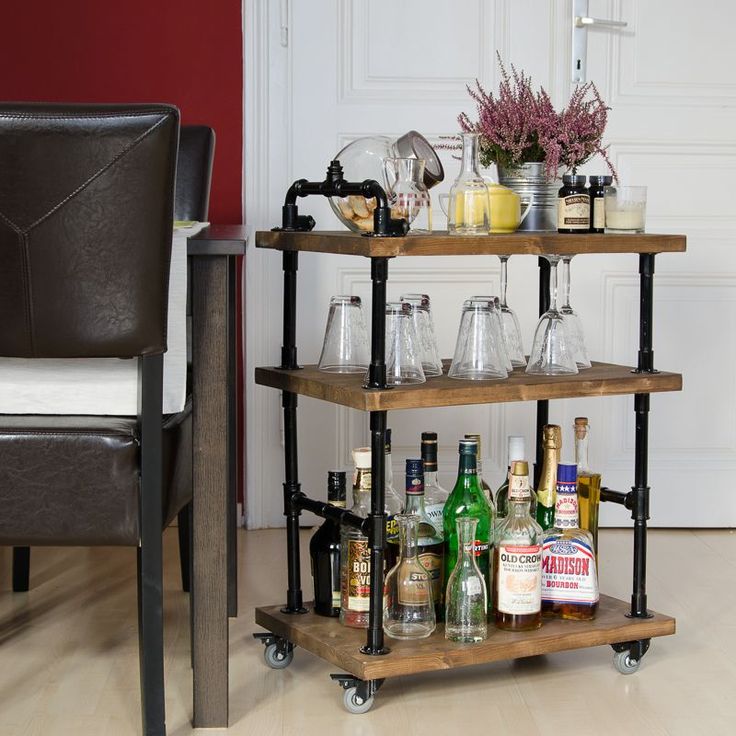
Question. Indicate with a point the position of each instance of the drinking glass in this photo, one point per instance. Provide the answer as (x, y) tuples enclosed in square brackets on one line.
[(424, 326), (510, 328), (469, 207), (408, 194), (479, 351), (626, 209), (495, 303), (551, 350), (466, 597), (573, 325), (403, 351), (345, 348)]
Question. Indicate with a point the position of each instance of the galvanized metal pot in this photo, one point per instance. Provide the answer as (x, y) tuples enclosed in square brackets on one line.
[(529, 180)]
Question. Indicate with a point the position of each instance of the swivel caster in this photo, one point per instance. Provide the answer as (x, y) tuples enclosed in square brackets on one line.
[(625, 663), (276, 657), (358, 695), (354, 703)]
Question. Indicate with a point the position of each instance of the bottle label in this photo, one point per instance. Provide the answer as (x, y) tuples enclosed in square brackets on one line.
[(566, 506), (434, 512), (432, 563), (414, 588), (519, 488), (519, 579), (414, 486), (599, 213), (392, 528), (359, 575), (573, 212), (568, 571), (479, 548)]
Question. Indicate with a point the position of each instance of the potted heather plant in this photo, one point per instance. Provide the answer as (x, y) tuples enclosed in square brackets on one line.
[(531, 143)]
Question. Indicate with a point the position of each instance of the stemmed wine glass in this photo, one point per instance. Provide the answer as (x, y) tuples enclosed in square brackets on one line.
[(509, 322), (551, 350), (572, 321)]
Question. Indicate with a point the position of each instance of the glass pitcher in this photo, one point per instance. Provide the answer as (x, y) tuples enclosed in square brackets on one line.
[(408, 194), (469, 207)]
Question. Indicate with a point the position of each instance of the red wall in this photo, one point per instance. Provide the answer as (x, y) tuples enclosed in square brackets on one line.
[(185, 52)]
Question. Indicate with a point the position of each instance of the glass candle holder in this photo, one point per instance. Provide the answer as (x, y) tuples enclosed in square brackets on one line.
[(625, 208)]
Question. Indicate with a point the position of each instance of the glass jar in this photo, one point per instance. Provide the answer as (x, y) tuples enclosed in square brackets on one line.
[(469, 206), (363, 159), (407, 193), (597, 188), (573, 205)]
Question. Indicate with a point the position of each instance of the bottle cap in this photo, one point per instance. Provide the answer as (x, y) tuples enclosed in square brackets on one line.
[(519, 467), (468, 447), (517, 448), (600, 180), (581, 427), (362, 458), (429, 450), (576, 179), (475, 437), (414, 476), (567, 472), (336, 486), (388, 441)]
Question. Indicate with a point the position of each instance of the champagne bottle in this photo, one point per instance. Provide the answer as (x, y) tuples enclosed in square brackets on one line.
[(547, 487), (589, 483)]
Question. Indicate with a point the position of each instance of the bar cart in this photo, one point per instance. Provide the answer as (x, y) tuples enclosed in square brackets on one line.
[(627, 626)]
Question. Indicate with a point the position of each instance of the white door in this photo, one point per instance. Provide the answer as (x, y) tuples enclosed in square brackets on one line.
[(321, 73)]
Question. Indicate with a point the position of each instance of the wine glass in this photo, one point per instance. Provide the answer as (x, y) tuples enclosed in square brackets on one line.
[(573, 325), (551, 350), (509, 322)]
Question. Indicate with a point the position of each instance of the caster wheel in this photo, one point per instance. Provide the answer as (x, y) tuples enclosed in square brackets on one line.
[(355, 704), (277, 659), (623, 662)]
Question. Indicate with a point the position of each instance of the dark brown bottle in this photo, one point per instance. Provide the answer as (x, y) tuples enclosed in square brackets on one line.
[(324, 550)]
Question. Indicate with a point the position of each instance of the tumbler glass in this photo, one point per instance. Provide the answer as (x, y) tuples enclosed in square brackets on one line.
[(403, 349), (479, 351), (424, 326), (345, 348), (625, 208)]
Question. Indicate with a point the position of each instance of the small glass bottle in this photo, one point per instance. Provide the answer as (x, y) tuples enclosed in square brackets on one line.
[(479, 464), (547, 486), (466, 599), (408, 194), (517, 580), (469, 206), (435, 496), (569, 575), (597, 210), (589, 483), (573, 205), (324, 552), (355, 555), (408, 608), (516, 451)]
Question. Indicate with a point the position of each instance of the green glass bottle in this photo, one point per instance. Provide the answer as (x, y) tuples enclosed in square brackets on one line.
[(468, 499), (547, 487)]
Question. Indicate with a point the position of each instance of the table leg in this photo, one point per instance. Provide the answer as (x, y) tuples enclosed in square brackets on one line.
[(210, 484), (232, 442)]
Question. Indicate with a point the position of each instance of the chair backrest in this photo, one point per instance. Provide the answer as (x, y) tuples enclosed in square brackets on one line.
[(86, 206), (194, 172)]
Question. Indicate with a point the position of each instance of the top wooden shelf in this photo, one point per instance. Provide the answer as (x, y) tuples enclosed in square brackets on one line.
[(444, 244)]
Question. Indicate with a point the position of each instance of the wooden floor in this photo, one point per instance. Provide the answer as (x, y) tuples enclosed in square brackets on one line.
[(69, 662)]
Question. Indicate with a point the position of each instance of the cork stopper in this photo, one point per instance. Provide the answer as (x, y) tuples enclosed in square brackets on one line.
[(520, 467), (362, 458), (581, 427)]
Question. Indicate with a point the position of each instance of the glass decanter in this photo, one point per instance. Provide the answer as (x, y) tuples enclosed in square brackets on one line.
[(408, 194), (466, 597), (469, 206), (408, 609)]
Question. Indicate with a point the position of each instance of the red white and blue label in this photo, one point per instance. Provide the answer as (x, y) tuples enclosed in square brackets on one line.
[(568, 571)]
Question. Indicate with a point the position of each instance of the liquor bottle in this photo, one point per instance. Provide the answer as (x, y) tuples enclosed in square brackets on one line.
[(467, 499), (435, 496), (393, 503), (430, 540), (324, 551), (547, 487), (517, 580), (516, 451), (479, 464), (589, 483), (355, 555), (569, 575)]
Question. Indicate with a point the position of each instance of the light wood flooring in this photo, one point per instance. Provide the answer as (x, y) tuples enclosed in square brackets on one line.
[(69, 660)]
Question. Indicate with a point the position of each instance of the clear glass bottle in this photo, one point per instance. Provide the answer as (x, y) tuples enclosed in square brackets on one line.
[(324, 552), (547, 486), (355, 555), (569, 575), (479, 465), (466, 599), (408, 608), (589, 483), (408, 194), (435, 496), (517, 580), (469, 206), (516, 451), (467, 499)]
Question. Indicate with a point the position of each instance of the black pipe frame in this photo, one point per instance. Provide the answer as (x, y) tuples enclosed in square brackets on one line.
[(542, 405)]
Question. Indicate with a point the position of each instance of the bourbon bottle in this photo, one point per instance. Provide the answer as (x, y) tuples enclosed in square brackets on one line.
[(517, 566), (569, 575)]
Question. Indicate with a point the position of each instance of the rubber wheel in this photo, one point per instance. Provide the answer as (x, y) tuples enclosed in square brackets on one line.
[(623, 662), (277, 659), (353, 704)]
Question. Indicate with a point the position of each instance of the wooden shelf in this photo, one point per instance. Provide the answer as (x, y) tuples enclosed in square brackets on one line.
[(340, 645), (444, 244), (603, 379)]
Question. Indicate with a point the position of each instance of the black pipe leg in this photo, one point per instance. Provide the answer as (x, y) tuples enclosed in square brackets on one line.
[(542, 406), (21, 569)]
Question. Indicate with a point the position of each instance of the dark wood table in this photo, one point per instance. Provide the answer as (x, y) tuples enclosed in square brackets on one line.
[(212, 255)]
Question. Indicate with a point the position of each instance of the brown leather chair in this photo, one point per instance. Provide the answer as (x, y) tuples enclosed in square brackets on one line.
[(86, 204)]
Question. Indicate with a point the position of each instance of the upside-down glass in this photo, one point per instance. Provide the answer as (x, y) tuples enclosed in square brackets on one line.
[(408, 194), (509, 322), (479, 352), (469, 206), (424, 326), (551, 353), (495, 307), (403, 350), (345, 348), (573, 325)]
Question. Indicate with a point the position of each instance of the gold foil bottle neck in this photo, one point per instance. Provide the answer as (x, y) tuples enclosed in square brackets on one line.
[(519, 467), (552, 437)]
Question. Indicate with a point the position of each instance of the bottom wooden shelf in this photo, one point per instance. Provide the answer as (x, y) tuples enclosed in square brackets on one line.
[(340, 645)]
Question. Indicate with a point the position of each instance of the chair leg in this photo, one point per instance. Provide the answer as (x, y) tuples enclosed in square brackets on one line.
[(21, 569), (185, 547)]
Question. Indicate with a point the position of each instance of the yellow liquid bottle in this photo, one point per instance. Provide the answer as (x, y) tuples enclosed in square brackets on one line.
[(589, 483)]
